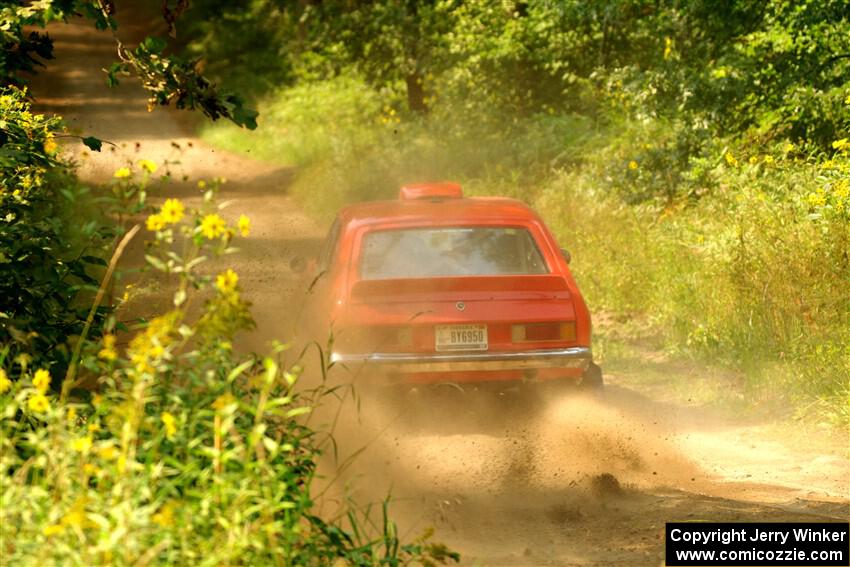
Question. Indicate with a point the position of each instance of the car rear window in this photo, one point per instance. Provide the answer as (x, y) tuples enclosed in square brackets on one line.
[(449, 251)]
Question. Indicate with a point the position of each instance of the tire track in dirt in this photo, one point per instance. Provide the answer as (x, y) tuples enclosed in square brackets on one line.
[(572, 481)]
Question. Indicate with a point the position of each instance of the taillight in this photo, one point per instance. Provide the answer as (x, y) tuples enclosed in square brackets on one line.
[(374, 339), (541, 332)]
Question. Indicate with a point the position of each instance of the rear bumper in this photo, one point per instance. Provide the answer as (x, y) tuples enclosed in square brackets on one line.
[(573, 357)]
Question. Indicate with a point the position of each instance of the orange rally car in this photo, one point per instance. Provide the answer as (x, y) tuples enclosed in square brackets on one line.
[(435, 287)]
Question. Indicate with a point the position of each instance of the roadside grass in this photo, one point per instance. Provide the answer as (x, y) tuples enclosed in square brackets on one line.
[(734, 256)]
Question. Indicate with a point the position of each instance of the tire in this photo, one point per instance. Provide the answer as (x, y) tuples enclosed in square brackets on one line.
[(591, 380)]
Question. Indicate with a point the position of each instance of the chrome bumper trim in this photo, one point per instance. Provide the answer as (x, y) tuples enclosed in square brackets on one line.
[(574, 357)]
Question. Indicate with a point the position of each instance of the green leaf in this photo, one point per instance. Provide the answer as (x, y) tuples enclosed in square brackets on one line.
[(154, 44), (94, 144), (239, 370)]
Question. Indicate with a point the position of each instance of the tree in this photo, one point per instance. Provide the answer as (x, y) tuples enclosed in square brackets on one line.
[(168, 77)]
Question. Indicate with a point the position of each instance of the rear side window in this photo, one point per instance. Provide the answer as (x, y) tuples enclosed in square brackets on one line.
[(449, 251)]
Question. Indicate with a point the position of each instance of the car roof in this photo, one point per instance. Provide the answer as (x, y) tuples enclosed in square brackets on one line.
[(423, 211)]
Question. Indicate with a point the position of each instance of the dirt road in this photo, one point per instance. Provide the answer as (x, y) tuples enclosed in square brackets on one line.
[(577, 481)]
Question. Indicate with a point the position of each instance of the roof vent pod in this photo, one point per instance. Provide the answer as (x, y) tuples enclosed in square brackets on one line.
[(441, 190)]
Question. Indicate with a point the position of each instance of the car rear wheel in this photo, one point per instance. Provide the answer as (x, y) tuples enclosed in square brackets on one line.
[(591, 380)]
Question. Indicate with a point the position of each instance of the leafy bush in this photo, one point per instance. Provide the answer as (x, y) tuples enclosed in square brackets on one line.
[(751, 275), (52, 241), (188, 453)]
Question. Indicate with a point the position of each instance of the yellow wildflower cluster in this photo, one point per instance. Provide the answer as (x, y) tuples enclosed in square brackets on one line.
[(817, 198), (50, 145), (148, 347), (172, 212), (122, 173), (841, 145), (389, 116), (76, 517), (38, 402)]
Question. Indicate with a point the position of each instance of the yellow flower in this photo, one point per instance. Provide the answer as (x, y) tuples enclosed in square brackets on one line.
[(72, 415), (170, 424), (244, 225), (82, 444), (633, 165), (730, 159), (108, 351), (165, 516), (122, 173), (5, 383), (840, 144), (847, 100), (172, 210), (226, 282), (753, 160), (155, 222), (54, 529), (50, 146), (768, 159), (107, 452), (212, 226), (93, 427), (147, 165), (38, 403), (223, 401), (788, 147), (668, 47), (90, 469), (202, 184), (77, 516), (816, 199), (41, 380)]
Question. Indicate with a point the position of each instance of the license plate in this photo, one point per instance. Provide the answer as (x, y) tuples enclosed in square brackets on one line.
[(461, 337)]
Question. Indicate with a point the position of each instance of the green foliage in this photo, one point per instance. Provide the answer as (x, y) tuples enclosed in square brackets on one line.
[(349, 146), (188, 453), (50, 259), (752, 275), (167, 77)]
